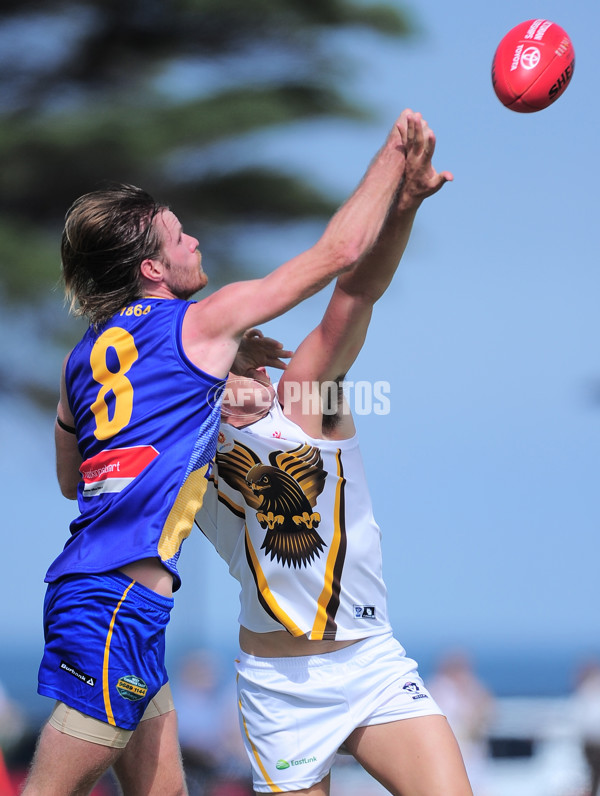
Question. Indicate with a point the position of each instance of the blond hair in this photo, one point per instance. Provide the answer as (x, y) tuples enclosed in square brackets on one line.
[(107, 235)]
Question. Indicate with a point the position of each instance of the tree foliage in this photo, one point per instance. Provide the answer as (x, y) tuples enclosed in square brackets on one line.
[(144, 91)]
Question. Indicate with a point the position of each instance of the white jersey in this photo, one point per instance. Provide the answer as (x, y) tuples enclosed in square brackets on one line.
[(292, 517)]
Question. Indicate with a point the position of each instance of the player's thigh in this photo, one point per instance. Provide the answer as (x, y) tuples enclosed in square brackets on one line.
[(413, 757), (64, 765), (151, 762)]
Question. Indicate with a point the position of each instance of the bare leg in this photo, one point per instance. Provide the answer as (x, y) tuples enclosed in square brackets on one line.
[(412, 757), (67, 766), (151, 762)]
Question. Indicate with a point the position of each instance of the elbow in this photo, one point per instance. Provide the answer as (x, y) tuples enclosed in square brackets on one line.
[(68, 488), (343, 256), (69, 492), (361, 295)]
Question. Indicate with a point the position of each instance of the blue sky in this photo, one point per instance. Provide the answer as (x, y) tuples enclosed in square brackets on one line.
[(484, 474)]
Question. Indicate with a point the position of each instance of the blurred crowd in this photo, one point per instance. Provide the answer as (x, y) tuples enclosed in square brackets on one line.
[(215, 759)]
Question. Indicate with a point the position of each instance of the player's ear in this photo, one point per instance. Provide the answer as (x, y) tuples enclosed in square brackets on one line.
[(152, 269)]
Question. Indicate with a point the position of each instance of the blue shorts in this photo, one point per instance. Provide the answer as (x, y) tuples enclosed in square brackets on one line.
[(105, 646)]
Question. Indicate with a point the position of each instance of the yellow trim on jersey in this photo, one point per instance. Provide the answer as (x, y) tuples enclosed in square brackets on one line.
[(321, 616), (269, 781), (105, 686), (181, 517), (266, 593)]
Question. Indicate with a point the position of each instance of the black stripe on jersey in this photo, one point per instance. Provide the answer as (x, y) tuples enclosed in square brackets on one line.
[(231, 506), (334, 601)]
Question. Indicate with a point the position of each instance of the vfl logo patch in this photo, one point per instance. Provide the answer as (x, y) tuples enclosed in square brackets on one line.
[(364, 612), (132, 688), (85, 678), (409, 686), (413, 688)]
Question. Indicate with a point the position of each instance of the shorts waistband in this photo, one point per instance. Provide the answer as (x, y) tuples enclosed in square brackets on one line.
[(138, 591), (148, 595), (303, 662)]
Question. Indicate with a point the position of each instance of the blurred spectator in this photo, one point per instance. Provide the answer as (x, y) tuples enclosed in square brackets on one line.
[(12, 721), (6, 785), (214, 757), (469, 707), (586, 703), (12, 729)]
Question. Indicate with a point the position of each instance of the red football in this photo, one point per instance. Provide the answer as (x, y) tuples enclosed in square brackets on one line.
[(532, 66)]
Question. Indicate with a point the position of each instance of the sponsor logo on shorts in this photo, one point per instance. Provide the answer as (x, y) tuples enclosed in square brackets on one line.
[(132, 688), (420, 696), (282, 764), (70, 669), (364, 612)]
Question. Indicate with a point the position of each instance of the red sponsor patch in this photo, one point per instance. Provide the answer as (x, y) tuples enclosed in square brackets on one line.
[(113, 469)]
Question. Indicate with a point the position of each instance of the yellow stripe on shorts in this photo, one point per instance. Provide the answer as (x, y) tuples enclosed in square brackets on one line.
[(107, 706), (268, 779)]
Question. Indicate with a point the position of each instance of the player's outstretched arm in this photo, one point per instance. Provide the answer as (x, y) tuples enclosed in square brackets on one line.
[(352, 232), (421, 180), (329, 351)]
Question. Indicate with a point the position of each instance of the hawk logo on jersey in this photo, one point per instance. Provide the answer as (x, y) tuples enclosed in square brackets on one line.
[(283, 494)]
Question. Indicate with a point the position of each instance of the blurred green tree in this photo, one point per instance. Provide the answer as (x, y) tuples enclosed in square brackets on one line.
[(147, 92)]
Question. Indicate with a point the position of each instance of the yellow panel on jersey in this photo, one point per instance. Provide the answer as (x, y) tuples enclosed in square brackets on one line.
[(181, 517)]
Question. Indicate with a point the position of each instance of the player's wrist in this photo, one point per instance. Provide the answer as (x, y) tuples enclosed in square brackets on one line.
[(408, 202)]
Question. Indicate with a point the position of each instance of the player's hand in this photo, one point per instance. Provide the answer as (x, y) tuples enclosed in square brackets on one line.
[(257, 351), (420, 177)]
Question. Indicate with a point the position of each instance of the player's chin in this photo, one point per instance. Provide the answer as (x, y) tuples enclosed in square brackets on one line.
[(260, 375), (187, 294)]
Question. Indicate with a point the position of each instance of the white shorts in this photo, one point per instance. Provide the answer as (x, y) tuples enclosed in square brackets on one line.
[(295, 713)]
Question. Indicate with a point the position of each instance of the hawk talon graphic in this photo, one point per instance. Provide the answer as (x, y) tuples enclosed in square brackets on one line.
[(310, 521), (269, 520), (283, 494)]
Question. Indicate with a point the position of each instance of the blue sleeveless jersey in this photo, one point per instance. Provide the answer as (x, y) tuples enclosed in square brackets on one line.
[(147, 421)]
